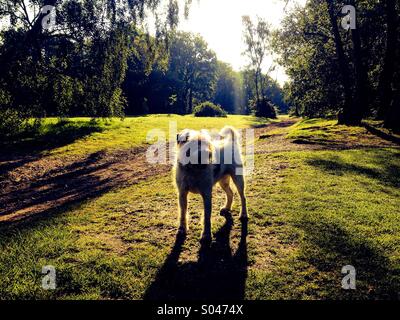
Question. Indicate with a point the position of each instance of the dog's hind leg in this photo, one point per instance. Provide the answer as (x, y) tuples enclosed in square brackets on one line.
[(207, 199), (224, 183), (183, 225), (238, 180)]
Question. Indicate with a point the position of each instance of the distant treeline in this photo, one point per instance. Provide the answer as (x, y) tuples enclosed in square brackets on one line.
[(187, 74), (341, 67), (97, 61)]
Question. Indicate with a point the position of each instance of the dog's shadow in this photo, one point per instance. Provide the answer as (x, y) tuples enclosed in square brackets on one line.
[(218, 274)]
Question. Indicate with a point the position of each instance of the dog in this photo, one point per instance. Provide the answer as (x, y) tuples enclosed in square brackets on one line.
[(202, 161)]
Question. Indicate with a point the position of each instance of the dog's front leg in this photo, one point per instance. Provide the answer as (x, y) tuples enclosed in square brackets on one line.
[(183, 225), (207, 199)]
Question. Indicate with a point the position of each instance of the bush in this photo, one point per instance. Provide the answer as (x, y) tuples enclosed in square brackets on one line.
[(265, 108), (208, 109), (14, 123), (10, 122)]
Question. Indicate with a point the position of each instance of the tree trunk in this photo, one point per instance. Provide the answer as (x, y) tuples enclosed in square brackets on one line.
[(360, 101), (257, 88), (392, 119), (345, 116), (386, 77), (190, 100), (261, 84)]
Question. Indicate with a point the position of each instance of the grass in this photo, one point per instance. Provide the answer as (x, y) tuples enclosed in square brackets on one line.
[(80, 136), (338, 208), (312, 212), (322, 130)]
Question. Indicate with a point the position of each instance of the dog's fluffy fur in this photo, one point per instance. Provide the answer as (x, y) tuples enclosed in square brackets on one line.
[(212, 160)]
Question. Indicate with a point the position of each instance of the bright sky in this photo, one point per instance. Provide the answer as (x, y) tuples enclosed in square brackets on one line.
[(220, 24)]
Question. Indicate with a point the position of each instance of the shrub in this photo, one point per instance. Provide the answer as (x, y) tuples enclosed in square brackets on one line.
[(15, 124), (265, 108), (10, 122), (208, 109)]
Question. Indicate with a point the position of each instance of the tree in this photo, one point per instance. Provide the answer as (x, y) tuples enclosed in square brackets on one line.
[(306, 48), (272, 91), (336, 71), (78, 65), (257, 39), (349, 114), (146, 85), (388, 70), (192, 67), (170, 79), (229, 89)]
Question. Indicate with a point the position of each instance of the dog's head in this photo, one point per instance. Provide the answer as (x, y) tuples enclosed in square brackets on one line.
[(194, 148)]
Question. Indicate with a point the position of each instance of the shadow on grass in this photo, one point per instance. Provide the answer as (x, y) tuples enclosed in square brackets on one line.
[(217, 274), (55, 135), (67, 183), (24, 205), (329, 247), (54, 194), (381, 134), (387, 174), (327, 143), (29, 146)]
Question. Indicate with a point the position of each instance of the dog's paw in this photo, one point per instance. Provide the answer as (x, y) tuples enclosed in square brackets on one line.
[(224, 212)]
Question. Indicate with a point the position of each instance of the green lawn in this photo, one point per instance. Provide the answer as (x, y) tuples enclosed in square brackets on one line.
[(324, 131), (311, 213), (80, 136)]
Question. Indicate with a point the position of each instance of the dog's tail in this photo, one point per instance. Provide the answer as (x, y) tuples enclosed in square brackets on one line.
[(230, 133)]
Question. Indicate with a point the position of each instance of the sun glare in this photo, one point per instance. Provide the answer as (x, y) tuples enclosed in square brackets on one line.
[(220, 23)]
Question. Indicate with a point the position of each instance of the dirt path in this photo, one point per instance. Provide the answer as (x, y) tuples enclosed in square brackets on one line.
[(34, 186), (45, 184)]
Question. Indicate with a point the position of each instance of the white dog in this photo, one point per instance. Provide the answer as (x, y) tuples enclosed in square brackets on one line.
[(203, 161)]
